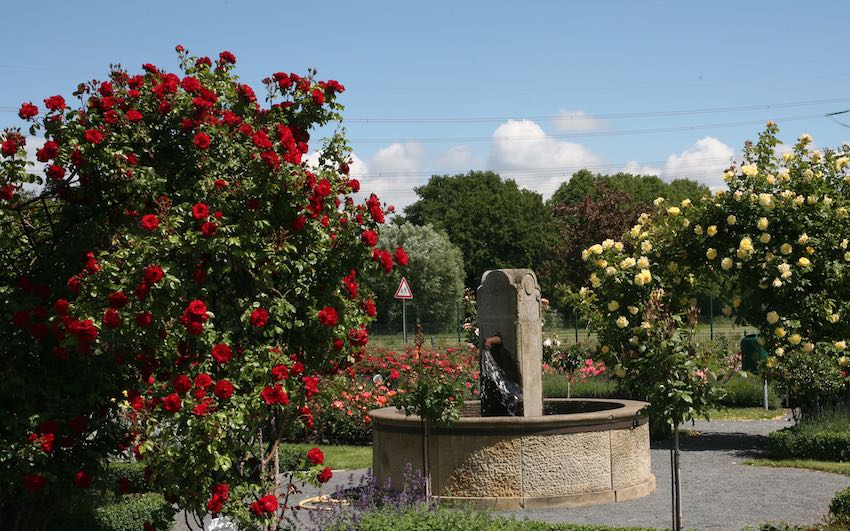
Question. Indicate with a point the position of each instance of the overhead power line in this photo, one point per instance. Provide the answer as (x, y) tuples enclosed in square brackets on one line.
[(608, 116)]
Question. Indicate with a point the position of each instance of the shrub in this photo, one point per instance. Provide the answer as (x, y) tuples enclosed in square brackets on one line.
[(826, 438), (747, 391), (839, 508), (130, 511), (131, 475), (440, 518)]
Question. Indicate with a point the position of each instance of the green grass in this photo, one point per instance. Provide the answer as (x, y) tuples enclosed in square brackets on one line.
[(810, 464), (747, 413), (338, 457)]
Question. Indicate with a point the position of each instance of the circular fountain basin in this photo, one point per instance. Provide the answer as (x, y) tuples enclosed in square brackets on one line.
[(580, 452)]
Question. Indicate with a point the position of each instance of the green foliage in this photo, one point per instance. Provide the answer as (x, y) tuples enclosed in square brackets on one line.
[(118, 471), (435, 275), (441, 518), (130, 511), (495, 223), (825, 438), (839, 508), (747, 391), (555, 386), (337, 456)]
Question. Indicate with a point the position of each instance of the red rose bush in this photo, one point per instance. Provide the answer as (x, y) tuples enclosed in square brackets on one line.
[(181, 281)]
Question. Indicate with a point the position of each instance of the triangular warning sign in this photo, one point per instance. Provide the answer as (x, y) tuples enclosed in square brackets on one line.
[(403, 291)]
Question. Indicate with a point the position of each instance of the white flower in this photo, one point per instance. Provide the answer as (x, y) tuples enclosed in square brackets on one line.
[(841, 345), (803, 239), (547, 342), (610, 271), (633, 310), (765, 200), (711, 230), (658, 201), (805, 138), (645, 246), (784, 174), (785, 248), (627, 262), (643, 262)]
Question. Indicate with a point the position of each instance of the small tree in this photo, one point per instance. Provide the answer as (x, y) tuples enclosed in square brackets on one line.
[(435, 275)]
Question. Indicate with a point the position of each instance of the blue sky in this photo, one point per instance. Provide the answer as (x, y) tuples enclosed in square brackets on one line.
[(479, 85)]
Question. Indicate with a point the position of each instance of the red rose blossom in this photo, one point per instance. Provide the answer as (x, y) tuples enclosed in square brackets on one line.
[(82, 479), (325, 475), (369, 237), (111, 318), (144, 319), (221, 353), (93, 136), (272, 395), (208, 229), (181, 384), (223, 389), (134, 116), (401, 256), (150, 222), (117, 299), (315, 456), (328, 316), (203, 380), (172, 403), (34, 483), (200, 211), (259, 317), (27, 111), (197, 308), (280, 372), (202, 140)]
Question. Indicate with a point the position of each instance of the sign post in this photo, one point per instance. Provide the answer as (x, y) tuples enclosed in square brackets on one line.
[(404, 293)]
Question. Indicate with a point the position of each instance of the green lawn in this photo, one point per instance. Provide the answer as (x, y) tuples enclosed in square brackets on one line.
[(340, 457), (811, 464)]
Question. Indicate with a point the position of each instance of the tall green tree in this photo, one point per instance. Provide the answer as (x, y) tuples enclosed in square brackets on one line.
[(434, 273), (495, 223)]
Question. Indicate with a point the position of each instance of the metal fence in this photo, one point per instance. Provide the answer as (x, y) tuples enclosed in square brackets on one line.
[(568, 327)]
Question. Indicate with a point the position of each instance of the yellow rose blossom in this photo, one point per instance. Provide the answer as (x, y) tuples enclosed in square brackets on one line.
[(816, 155), (772, 317), (585, 255), (618, 246), (698, 230), (607, 244), (711, 253), (799, 200), (627, 262), (810, 250), (794, 339), (643, 262), (765, 200), (843, 361), (847, 256), (787, 157), (596, 249), (673, 267), (833, 318), (601, 264), (803, 261), (736, 301), (779, 331), (840, 162), (645, 246), (726, 264), (811, 200), (610, 271), (731, 219), (727, 311), (762, 224), (808, 347), (841, 212), (711, 230), (844, 243), (686, 203), (808, 174), (784, 174), (643, 277), (750, 170), (728, 175), (771, 180), (594, 280), (784, 270), (805, 138), (613, 306), (785, 248), (776, 283), (658, 201), (764, 238), (771, 362), (673, 211), (827, 200), (605, 349), (633, 310), (840, 345), (622, 322), (803, 239), (635, 231)]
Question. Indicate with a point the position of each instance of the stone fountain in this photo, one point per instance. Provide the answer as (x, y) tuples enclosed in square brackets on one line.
[(513, 449)]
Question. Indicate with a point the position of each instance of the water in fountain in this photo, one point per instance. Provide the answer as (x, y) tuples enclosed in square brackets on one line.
[(500, 396)]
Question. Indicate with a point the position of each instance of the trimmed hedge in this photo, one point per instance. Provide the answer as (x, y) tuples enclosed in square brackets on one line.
[(115, 471), (440, 518), (131, 511), (839, 508), (748, 392), (804, 444)]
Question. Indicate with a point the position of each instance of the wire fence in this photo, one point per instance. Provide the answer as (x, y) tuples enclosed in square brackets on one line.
[(569, 328)]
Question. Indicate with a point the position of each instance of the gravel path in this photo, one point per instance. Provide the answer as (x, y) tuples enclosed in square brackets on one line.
[(718, 492)]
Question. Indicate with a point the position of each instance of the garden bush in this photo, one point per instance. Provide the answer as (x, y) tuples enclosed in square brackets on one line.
[(126, 476), (130, 511), (839, 508), (825, 438), (747, 391)]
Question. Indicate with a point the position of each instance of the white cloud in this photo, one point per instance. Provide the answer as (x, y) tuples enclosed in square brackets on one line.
[(704, 161), (398, 158), (459, 158), (523, 145), (636, 168), (577, 121), (34, 143)]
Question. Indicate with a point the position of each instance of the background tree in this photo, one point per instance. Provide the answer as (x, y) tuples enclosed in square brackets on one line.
[(495, 223), (435, 274)]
